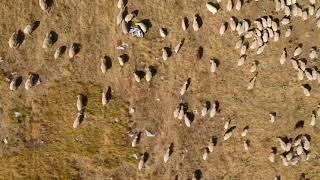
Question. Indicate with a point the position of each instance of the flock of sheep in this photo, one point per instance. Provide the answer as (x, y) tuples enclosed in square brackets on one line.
[(254, 37)]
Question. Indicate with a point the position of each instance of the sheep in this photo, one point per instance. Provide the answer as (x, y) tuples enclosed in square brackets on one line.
[(168, 153), (211, 8), (272, 155), (245, 131), (283, 56), (196, 26), (232, 24), (14, 84), (276, 36), (300, 74), (306, 90), (214, 65), (74, 50), (122, 59), (246, 145), (252, 83), (264, 22), (249, 34), (44, 5), (213, 110), (121, 4), (104, 64), (313, 53), (59, 52), (229, 5), (241, 60), (304, 15), (223, 28), (106, 96), (185, 87), (163, 32), (33, 80), (48, 40), (78, 120), (294, 64), (243, 49), (274, 26), (261, 49), (311, 10), (228, 133), (238, 44), (308, 74), (184, 24), (187, 121), (227, 124), (212, 144), (305, 143), (143, 159), (31, 27), (129, 17), (136, 76), (285, 20), (148, 74), (272, 116), (205, 154), (317, 13), (302, 65), (178, 46), (13, 41), (238, 5), (81, 102), (258, 25), (165, 54), (136, 139)]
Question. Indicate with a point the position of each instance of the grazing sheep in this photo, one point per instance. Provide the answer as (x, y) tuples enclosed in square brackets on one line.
[(81, 102), (227, 124), (306, 90), (136, 76), (302, 65), (168, 153), (223, 28), (121, 4), (228, 133), (106, 96), (232, 24), (238, 5), (74, 50), (163, 33), (246, 145), (44, 5), (285, 20), (104, 64), (185, 87), (129, 17), (48, 40), (272, 155), (294, 64), (272, 116), (122, 59), (143, 159), (300, 74), (165, 54), (31, 27), (211, 8), (297, 51), (187, 121), (229, 5), (261, 49), (313, 53), (14, 84), (135, 139), (148, 74), (245, 131), (78, 120), (184, 24), (241, 60), (195, 24), (213, 110), (205, 154), (13, 41), (252, 82), (178, 46), (33, 80), (283, 56), (214, 65)]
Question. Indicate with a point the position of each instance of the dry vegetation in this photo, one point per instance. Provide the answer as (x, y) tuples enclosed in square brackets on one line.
[(43, 145)]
